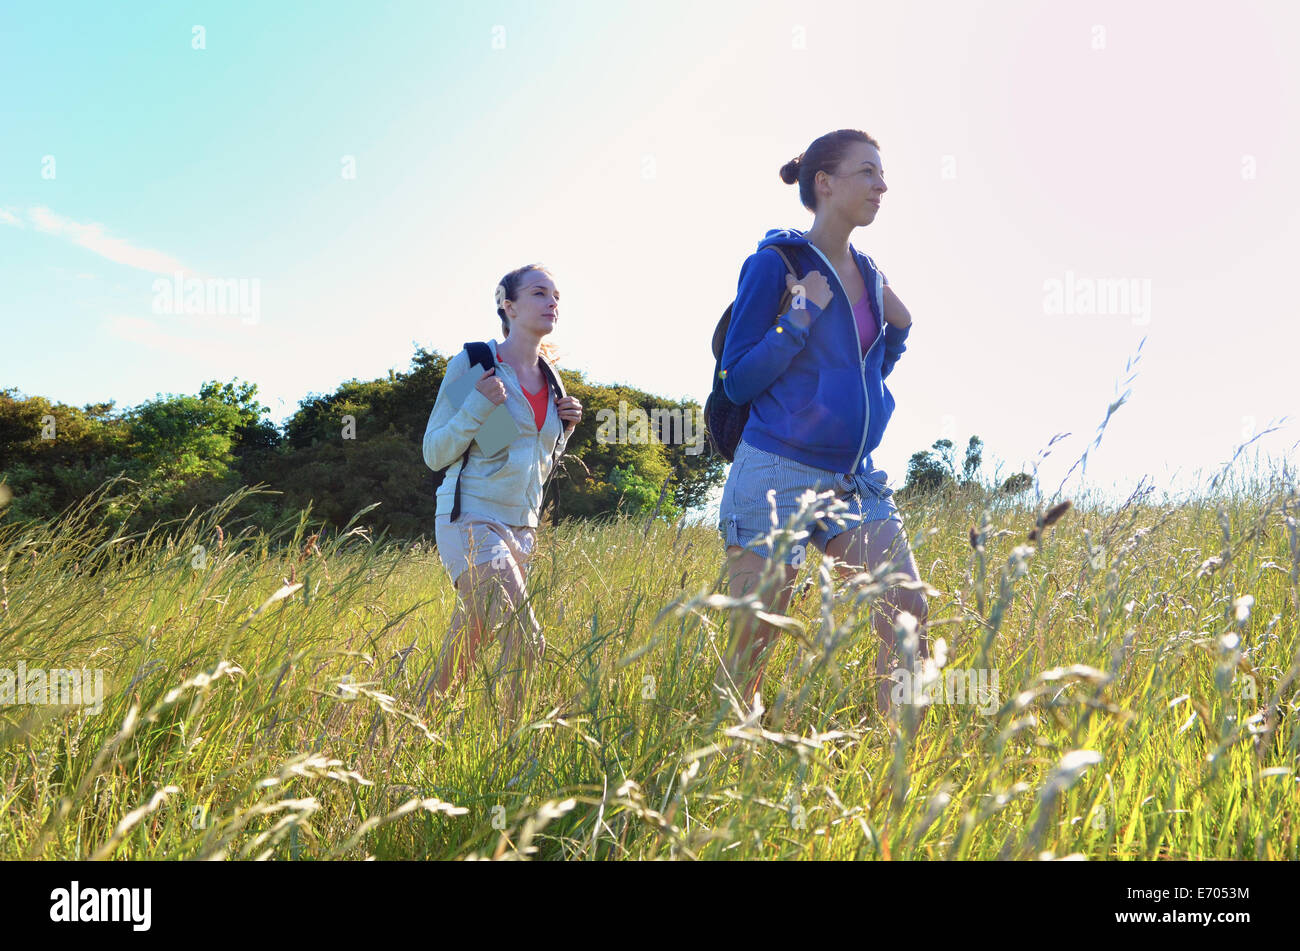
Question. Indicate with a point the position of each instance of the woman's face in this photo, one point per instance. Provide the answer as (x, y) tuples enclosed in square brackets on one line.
[(856, 188), (536, 307)]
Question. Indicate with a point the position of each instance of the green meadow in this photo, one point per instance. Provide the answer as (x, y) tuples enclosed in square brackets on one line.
[(263, 697)]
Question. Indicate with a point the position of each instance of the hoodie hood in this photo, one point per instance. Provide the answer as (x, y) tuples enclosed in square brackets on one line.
[(783, 236), (793, 236)]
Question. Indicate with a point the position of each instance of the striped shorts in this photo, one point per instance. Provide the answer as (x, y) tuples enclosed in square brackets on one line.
[(746, 513)]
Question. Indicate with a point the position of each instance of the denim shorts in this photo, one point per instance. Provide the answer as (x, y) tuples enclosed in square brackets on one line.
[(745, 515)]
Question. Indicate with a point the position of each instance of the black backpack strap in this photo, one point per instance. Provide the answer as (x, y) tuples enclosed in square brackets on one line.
[(553, 378), (480, 355), (557, 387)]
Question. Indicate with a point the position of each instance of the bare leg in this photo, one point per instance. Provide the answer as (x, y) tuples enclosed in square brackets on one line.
[(522, 635), (747, 653), (873, 545), (495, 599), (463, 640)]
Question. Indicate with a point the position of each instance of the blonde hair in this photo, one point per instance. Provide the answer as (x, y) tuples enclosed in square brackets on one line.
[(506, 290)]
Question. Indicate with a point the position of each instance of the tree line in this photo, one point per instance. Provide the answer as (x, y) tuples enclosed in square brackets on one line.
[(337, 453), (633, 453)]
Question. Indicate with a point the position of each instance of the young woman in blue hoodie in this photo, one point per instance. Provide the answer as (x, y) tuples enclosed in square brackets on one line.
[(814, 378)]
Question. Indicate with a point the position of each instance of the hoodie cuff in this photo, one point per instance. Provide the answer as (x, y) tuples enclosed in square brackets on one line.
[(478, 406), (787, 330), (795, 332)]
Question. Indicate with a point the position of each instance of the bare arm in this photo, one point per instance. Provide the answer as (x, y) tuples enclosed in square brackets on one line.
[(898, 324), (895, 312)]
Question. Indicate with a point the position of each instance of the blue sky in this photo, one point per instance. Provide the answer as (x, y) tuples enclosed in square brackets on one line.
[(634, 150)]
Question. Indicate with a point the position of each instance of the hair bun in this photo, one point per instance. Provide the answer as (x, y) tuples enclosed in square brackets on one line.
[(790, 171)]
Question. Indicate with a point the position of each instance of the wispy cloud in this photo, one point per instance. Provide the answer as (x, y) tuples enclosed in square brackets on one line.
[(95, 237), (10, 218)]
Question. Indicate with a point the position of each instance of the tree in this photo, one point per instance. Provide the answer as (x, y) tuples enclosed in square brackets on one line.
[(944, 450), (52, 454), (1015, 484), (584, 486), (925, 474), (638, 496), (932, 469), (974, 455), (339, 453), (240, 396)]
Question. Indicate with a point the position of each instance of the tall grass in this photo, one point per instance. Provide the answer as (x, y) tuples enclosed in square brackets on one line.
[(263, 694)]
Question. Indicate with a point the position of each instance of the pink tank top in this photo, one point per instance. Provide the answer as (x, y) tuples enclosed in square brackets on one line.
[(867, 326)]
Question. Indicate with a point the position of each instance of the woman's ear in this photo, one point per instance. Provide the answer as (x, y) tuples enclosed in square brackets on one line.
[(822, 184)]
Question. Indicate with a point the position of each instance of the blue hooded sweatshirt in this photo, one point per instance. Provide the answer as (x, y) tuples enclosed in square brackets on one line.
[(813, 396)]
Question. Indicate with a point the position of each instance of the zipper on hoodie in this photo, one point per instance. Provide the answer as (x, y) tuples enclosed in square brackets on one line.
[(502, 366), (857, 340), (537, 442)]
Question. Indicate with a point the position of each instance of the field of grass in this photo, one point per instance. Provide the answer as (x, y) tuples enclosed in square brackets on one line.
[(260, 696)]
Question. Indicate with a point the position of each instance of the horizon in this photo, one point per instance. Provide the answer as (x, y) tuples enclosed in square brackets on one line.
[(1254, 470)]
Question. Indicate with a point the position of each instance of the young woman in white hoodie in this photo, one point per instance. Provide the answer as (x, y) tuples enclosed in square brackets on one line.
[(487, 546)]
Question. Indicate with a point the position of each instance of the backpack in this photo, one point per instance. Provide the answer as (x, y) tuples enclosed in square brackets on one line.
[(724, 420), (480, 355)]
